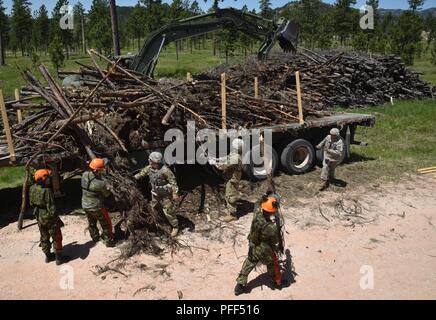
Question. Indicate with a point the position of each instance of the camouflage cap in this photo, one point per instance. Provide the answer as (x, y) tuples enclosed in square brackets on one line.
[(334, 132), (155, 157)]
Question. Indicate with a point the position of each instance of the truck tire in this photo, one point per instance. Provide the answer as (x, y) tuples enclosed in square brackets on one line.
[(298, 157), (257, 172), (320, 154)]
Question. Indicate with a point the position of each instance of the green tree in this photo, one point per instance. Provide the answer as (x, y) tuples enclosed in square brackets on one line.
[(155, 14), (195, 9), (21, 24), (245, 40), (345, 19), (65, 35), (4, 27), (56, 52), (430, 27), (265, 9), (433, 53), (42, 29), (79, 27), (100, 30), (136, 23), (406, 36), (416, 4)]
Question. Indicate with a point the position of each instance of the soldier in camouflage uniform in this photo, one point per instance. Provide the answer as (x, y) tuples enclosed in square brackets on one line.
[(94, 191), (333, 148), (231, 166), (263, 245), (49, 223), (164, 188)]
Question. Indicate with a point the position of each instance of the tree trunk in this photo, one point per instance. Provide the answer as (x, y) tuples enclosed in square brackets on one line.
[(177, 50), (115, 30), (2, 52), (82, 21)]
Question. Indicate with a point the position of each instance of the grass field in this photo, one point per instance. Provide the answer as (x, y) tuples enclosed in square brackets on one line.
[(403, 139)]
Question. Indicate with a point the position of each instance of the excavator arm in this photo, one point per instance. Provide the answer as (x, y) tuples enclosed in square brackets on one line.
[(286, 33)]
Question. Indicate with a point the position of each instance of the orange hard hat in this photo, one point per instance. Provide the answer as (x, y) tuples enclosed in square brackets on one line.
[(270, 205), (97, 164), (41, 174)]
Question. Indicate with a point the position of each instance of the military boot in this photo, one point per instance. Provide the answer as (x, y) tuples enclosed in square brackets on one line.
[(240, 289), (230, 218), (49, 257), (284, 284), (174, 232), (109, 243), (60, 259), (324, 185)]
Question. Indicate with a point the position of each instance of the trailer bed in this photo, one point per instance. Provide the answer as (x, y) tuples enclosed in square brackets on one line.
[(341, 119)]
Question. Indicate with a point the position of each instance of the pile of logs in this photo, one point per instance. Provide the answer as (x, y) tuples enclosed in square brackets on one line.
[(329, 79)]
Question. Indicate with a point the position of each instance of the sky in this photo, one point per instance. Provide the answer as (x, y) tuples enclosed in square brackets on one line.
[(251, 4)]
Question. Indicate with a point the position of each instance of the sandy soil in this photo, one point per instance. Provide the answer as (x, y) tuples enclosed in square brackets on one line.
[(336, 239)]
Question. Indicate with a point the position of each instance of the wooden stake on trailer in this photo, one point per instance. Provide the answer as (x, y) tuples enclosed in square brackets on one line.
[(223, 102), (7, 128), (256, 87), (19, 114), (300, 103)]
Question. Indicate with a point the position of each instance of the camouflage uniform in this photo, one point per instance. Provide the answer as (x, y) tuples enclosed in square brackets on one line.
[(49, 224), (263, 241), (94, 191), (232, 173), (332, 154), (163, 189)]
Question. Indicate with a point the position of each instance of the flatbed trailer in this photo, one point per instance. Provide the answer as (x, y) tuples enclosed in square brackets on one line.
[(294, 144), (293, 147)]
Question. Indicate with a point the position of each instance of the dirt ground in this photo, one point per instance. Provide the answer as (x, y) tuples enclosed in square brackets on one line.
[(337, 240)]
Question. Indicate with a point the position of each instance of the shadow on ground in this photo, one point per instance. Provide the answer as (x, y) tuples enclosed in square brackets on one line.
[(78, 251)]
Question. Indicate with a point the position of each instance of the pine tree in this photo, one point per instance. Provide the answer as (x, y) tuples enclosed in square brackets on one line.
[(345, 19), (155, 14), (56, 52), (406, 36), (21, 24), (136, 23), (416, 4), (265, 9), (42, 29), (79, 26), (4, 26), (433, 53), (65, 35), (100, 31)]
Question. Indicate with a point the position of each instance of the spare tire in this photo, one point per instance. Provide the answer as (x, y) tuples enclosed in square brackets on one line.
[(298, 157), (257, 172)]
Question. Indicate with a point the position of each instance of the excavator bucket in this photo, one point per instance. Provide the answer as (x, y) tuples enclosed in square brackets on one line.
[(287, 35)]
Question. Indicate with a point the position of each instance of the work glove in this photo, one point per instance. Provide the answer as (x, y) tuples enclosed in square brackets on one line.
[(212, 161)]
